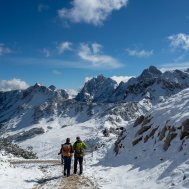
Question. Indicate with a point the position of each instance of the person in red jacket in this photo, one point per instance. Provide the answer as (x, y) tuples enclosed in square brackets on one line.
[(66, 151)]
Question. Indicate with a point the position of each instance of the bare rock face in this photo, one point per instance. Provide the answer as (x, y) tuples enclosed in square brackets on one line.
[(138, 121), (168, 140), (14, 149), (26, 134), (184, 129), (137, 140), (162, 133), (153, 132), (146, 120), (143, 129), (146, 138)]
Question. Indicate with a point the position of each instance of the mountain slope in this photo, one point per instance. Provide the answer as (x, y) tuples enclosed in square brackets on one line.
[(146, 155), (151, 84), (137, 133)]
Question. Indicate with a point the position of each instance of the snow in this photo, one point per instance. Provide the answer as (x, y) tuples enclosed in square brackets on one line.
[(120, 79), (72, 93), (140, 166), (16, 177)]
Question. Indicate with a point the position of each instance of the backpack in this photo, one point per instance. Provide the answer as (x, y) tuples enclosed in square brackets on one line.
[(67, 150), (79, 149)]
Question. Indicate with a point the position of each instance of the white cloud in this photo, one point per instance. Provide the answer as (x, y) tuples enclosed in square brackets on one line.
[(93, 54), (119, 79), (173, 66), (139, 53), (96, 48), (64, 46), (14, 84), (4, 49), (180, 40), (42, 7), (91, 11), (46, 52), (56, 72)]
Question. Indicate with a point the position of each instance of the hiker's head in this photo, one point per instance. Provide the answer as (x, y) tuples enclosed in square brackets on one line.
[(68, 140), (78, 138)]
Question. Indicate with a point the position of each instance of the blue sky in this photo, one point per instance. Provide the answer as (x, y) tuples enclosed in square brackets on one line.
[(63, 42)]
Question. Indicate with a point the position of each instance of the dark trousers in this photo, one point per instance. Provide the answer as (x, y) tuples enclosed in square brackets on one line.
[(67, 165), (80, 160)]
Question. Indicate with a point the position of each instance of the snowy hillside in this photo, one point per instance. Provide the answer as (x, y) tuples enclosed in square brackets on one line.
[(153, 150), (136, 132)]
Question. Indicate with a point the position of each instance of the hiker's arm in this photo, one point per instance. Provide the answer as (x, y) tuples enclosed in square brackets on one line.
[(84, 145), (60, 151)]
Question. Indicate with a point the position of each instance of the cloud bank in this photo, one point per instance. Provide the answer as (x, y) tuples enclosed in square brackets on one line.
[(14, 84), (173, 66), (91, 11)]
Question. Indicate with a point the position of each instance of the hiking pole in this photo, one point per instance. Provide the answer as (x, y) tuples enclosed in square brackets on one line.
[(84, 163)]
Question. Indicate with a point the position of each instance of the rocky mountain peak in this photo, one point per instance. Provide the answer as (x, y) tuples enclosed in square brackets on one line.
[(37, 88), (97, 89), (52, 87), (37, 85), (100, 77), (150, 73)]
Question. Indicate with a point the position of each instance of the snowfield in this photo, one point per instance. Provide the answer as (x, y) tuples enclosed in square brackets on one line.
[(133, 145)]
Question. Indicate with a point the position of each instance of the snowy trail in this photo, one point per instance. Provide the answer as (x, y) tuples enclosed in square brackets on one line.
[(52, 176), (72, 182)]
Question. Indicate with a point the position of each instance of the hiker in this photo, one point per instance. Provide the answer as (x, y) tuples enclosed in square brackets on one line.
[(79, 147), (67, 151)]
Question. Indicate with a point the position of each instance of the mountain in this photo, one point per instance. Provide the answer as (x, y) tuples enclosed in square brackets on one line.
[(97, 90), (165, 127), (22, 108), (100, 97), (151, 84), (137, 132)]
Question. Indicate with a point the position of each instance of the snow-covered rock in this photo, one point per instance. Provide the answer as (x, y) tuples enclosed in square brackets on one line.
[(97, 90), (137, 132), (151, 82)]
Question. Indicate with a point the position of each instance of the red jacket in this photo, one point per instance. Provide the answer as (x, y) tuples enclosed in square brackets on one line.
[(66, 150)]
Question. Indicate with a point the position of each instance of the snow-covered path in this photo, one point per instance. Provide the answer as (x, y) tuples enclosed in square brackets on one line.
[(47, 174), (52, 176)]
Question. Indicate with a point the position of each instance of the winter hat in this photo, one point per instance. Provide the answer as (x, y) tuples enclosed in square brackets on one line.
[(68, 140)]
